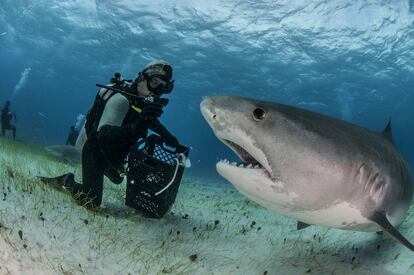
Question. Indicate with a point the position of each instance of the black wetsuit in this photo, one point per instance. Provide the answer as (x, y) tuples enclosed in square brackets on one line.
[(6, 117), (104, 153)]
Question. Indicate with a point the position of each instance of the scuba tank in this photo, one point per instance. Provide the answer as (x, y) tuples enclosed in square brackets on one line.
[(95, 113)]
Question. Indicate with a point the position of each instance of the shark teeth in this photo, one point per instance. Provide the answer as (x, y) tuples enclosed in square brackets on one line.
[(241, 164)]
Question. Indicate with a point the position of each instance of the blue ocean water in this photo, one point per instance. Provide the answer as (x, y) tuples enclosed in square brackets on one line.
[(348, 59)]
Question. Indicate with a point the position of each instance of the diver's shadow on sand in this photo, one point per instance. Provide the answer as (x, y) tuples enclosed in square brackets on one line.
[(121, 211), (184, 223)]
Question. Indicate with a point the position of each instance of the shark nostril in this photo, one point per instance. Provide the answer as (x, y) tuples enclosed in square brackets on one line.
[(214, 116)]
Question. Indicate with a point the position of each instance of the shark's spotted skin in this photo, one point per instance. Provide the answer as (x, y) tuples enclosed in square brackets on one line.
[(311, 167)]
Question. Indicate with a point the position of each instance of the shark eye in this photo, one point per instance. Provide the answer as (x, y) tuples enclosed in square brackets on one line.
[(259, 114)]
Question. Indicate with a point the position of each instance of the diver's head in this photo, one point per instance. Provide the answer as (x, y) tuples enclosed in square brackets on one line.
[(155, 79)]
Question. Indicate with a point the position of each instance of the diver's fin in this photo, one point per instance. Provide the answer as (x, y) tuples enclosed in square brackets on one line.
[(47, 180), (382, 221), (301, 225), (60, 183), (387, 132)]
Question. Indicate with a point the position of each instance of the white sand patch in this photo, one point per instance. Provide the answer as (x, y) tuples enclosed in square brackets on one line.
[(211, 230)]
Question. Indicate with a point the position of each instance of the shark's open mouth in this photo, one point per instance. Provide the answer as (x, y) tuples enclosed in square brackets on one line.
[(247, 160), (243, 154)]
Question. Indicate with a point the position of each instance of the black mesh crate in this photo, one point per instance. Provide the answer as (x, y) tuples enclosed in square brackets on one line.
[(153, 176)]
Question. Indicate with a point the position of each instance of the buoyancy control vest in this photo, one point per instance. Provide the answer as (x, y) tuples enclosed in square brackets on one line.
[(95, 113)]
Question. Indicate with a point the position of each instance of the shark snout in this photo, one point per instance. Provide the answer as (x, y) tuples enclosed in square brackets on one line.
[(207, 109)]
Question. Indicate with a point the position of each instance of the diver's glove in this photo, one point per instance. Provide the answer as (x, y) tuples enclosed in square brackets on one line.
[(152, 111), (149, 113)]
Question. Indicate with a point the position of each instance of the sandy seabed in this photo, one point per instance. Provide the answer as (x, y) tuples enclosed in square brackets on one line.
[(211, 229)]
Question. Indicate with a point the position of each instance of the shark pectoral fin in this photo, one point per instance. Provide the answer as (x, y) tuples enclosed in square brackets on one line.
[(301, 225), (382, 221)]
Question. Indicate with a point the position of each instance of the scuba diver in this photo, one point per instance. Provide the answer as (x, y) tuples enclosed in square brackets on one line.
[(73, 136), (6, 117), (115, 122)]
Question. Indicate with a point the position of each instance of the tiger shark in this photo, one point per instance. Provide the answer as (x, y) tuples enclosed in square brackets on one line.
[(69, 153), (66, 152), (311, 167)]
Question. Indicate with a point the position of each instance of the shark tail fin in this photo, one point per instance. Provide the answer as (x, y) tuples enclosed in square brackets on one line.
[(382, 221)]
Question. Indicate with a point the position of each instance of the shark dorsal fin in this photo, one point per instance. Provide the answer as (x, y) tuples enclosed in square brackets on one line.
[(387, 132), (301, 225)]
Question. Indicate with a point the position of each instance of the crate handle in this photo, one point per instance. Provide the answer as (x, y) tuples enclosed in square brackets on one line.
[(173, 178)]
